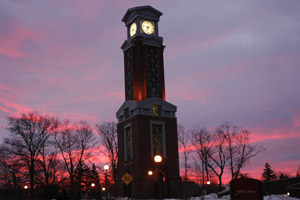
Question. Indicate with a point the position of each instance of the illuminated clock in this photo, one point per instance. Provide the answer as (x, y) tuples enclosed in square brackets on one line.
[(148, 27), (133, 29)]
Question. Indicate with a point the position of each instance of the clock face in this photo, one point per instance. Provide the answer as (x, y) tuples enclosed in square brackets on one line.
[(133, 29), (148, 27)]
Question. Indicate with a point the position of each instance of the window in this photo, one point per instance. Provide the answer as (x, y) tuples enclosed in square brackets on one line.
[(128, 142), (153, 77), (156, 109), (158, 138)]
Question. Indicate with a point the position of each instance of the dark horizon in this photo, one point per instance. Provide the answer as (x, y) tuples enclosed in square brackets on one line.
[(227, 61)]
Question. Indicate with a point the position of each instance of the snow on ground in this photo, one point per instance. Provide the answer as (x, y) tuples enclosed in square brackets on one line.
[(279, 197), (227, 197)]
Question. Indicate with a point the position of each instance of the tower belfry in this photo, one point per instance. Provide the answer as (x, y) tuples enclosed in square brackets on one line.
[(147, 124)]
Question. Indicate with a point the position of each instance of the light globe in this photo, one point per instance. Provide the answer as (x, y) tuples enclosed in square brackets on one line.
[(106, 167), (158, 159)]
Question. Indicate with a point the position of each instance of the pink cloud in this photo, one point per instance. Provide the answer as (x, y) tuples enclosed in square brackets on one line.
[(15, 108), (188, 93), (258, 137), (12, 43)]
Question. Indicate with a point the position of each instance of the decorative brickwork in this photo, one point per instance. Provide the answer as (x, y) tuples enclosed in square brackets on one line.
[(153, 77), (128, 75)]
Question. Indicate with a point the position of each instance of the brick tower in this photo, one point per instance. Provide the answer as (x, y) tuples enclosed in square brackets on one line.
[(147, 124)]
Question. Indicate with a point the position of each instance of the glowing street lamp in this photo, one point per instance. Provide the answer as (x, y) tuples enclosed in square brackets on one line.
[(26, 187), (208, 182), (106, 167), (150, 173), (103, 189), (93, 184), (157, 159)]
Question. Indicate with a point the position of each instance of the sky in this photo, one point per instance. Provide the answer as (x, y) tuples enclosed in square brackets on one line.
[(225, 61)]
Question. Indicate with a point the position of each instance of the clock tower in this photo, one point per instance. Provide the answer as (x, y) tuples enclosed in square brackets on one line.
[(147, 125)]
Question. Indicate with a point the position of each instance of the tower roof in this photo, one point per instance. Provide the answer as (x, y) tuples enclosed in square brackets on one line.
[(147, 12)]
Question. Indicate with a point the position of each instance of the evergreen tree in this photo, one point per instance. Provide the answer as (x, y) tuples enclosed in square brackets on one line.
[(268, 174), (283, 176)]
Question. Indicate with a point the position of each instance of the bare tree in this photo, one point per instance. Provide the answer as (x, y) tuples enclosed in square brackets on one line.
[(10, 168), (50, 166), (211, 150), (198, 172), (201, 141), (29, 133), (239, 150), (218, 157), (184, 143), (108, 138), (74, 141)]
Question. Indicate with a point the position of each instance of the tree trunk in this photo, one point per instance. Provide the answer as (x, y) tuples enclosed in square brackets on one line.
[(72, 186), (220, 182), (31, 174)]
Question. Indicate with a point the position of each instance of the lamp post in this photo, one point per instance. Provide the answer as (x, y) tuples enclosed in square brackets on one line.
[(106, 168), (92, 192), (206, 188), (158, 160), (26, 191)]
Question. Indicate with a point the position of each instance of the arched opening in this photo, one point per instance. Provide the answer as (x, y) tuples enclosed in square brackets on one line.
[(159, 184)]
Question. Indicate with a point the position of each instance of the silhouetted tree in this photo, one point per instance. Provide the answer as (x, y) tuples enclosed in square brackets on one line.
[(29, 133), (202, 143), (217, 157), (298, 172), (93, 178), (268, 174), (184, 143), (10, 169), (74, 141), (239, 150), (108, 138), (50, 166), (283, 175)]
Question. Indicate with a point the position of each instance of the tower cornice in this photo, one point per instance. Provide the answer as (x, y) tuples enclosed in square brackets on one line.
[(144, 108), (147, 12)]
